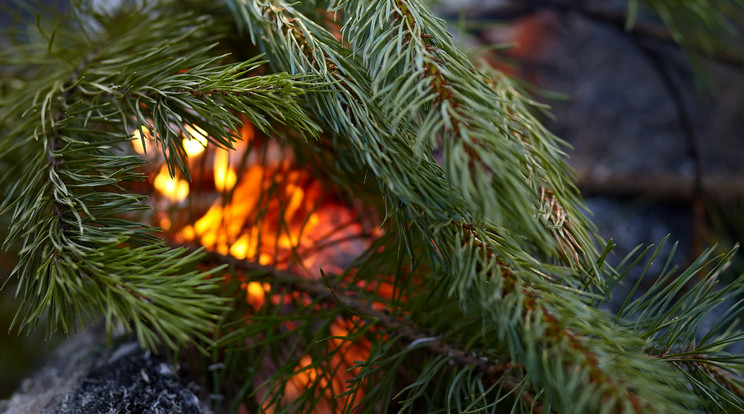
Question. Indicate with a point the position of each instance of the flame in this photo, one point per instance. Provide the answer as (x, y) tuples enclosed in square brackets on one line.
[(194, 141), (273, 212), (224, 176), (276, 214), (306, 374), (255, 293), (174, 188), (139, 144), (331, 376)]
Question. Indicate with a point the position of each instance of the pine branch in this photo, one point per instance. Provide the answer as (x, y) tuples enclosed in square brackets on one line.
[(69, 232), (672, 314), (503, 266), (554, 325), (356, 305), (446, 100), (450, 102), (299, 45), (81, 252)]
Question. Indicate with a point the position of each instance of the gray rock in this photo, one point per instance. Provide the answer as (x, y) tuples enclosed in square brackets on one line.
[(85, 377)]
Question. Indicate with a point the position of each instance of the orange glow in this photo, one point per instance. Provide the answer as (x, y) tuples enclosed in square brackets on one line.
[(194, 141), (165, 223), (304, 374), (188, 233), (255, 293), (276, 215), (173, 188)]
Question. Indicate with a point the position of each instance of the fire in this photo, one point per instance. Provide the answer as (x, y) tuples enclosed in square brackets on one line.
[(266, 209), (305, 373), (333, 375), (276, 215), (174, 188), (224, 175), (255, 293), (194, 141)]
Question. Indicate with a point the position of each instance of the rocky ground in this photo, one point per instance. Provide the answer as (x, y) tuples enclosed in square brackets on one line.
[(85, 375)]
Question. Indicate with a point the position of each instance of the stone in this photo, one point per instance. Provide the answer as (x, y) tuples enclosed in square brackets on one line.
[(85, 377)]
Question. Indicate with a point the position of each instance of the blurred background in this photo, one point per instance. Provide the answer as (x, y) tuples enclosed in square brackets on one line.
[(654, 130)]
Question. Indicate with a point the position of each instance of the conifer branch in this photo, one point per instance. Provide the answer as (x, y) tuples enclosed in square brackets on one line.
[(530, 293), (453, 115), (447, 109), (360, 306), (493, 228), (77, 215), (388, 320)]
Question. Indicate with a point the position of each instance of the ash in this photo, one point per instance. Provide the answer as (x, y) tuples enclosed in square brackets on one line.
[(86, 377), (135, 382)]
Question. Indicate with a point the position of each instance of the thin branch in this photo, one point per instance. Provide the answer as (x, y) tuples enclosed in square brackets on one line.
[(533, 304), (403, 328), (459, 119), (54, 161)]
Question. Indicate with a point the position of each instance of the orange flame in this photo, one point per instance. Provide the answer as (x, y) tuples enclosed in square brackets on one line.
[(174, 188), (224, 176), (273, 213), (194, 141), (255, 293)]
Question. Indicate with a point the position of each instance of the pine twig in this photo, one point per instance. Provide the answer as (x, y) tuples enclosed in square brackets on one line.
[(54, 163), (359, 306)]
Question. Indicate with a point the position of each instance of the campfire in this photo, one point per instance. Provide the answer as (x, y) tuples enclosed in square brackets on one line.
[(256, 204)]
